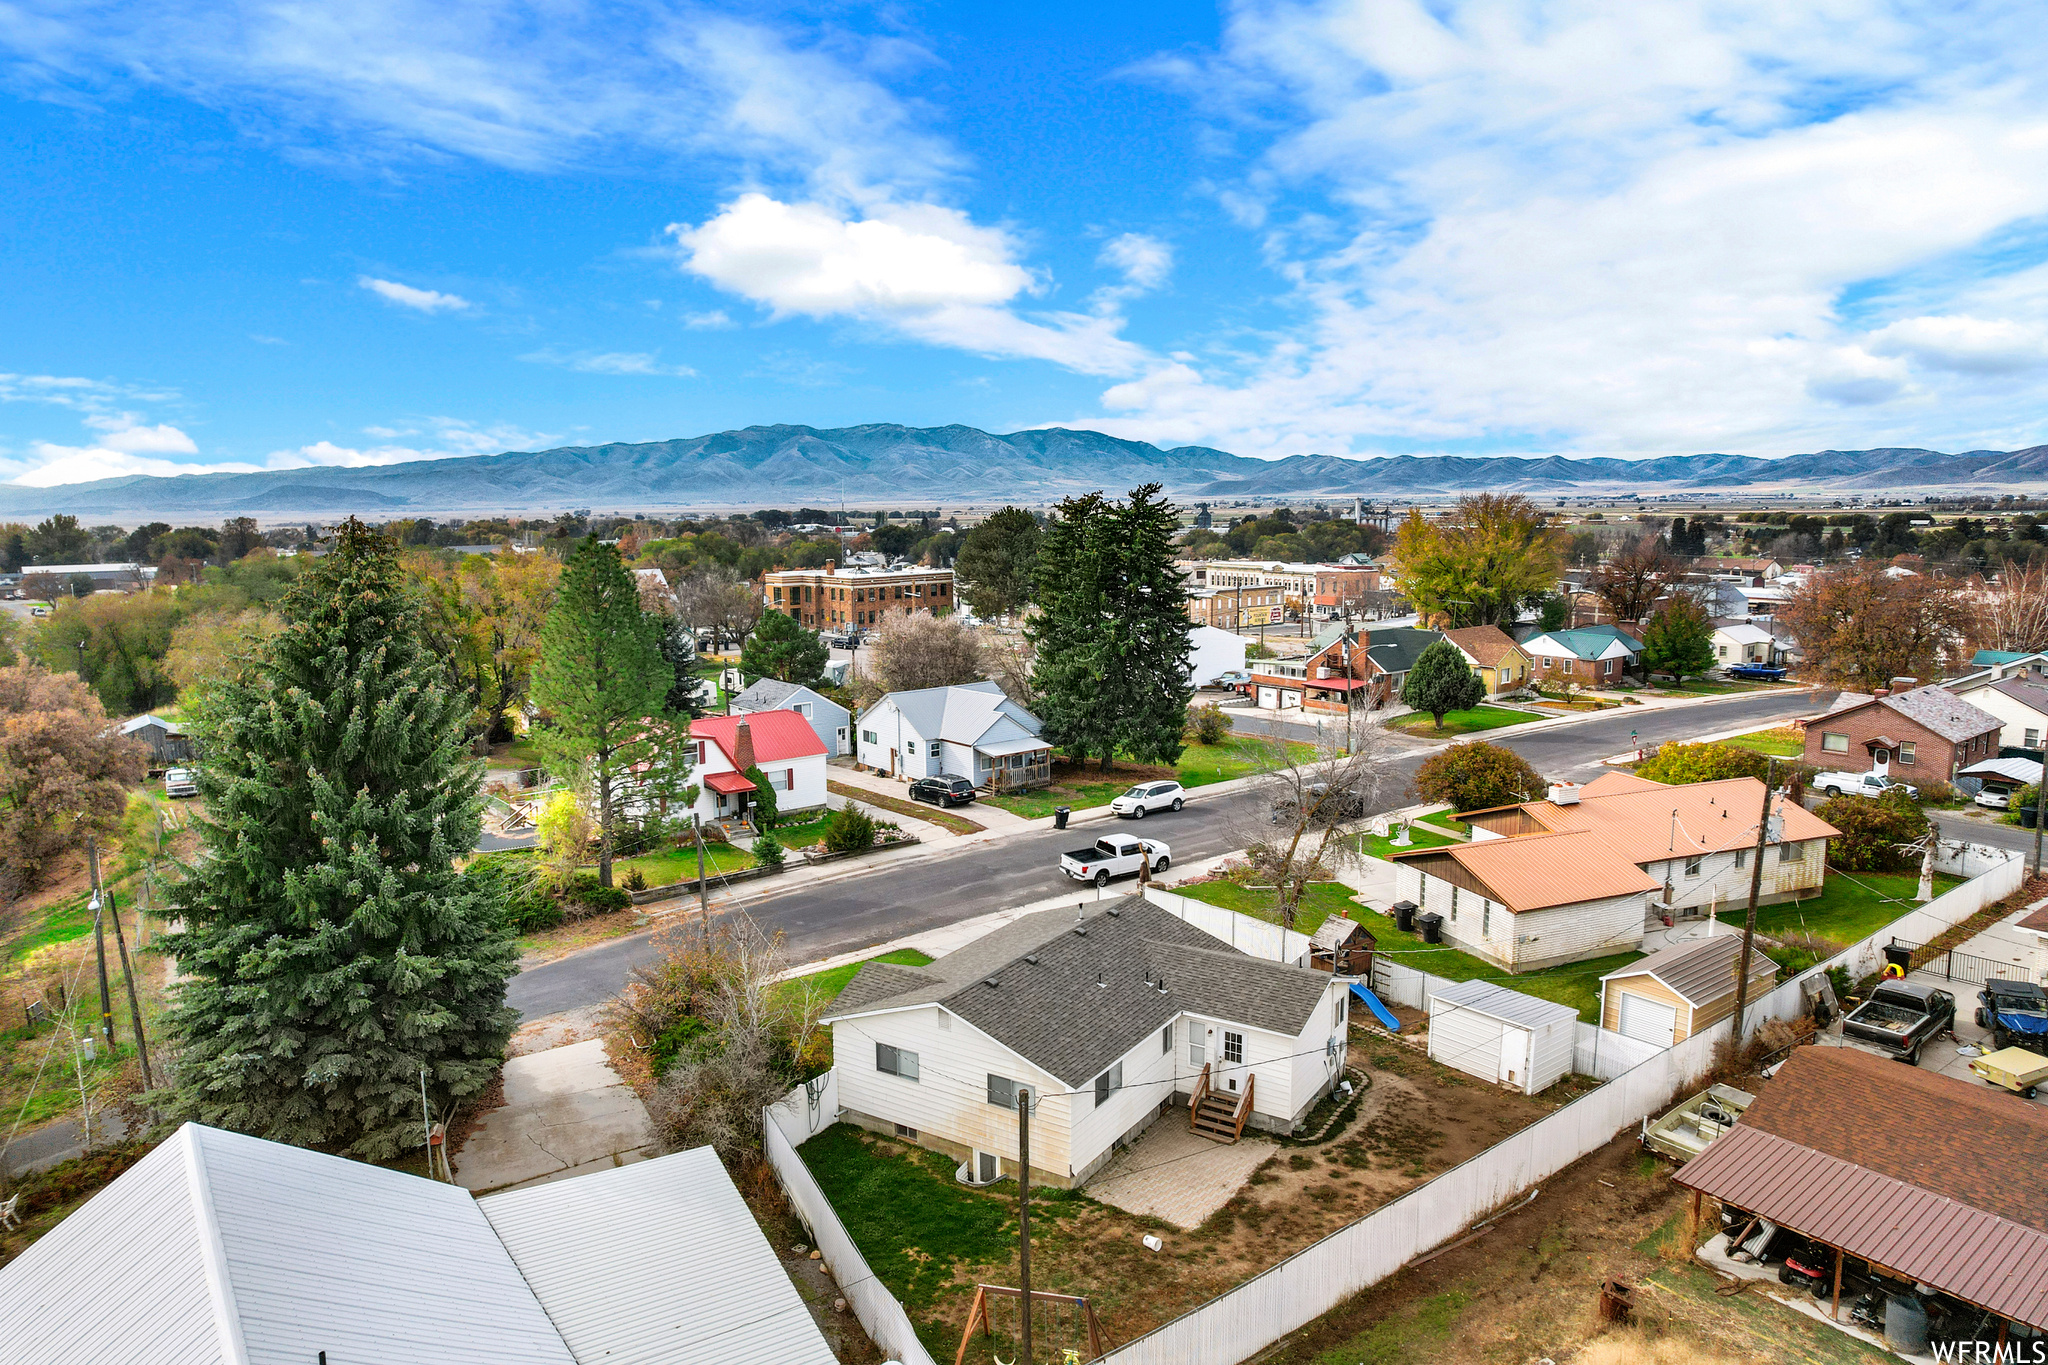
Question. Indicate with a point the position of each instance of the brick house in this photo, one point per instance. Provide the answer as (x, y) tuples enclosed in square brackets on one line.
[(1347, 666), (1345, 588), (1928, 732), (1593, 656), (1493, 656), (1237, 608), (834, 597)]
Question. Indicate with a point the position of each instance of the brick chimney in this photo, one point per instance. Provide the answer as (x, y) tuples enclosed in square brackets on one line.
[(742, 747)]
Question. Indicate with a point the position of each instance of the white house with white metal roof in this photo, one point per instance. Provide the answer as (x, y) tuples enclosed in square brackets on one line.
[(223, 1249), (1502, 1036), (973, 731)]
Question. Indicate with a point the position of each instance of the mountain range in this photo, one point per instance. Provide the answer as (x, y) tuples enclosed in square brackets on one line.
[(948, 466)]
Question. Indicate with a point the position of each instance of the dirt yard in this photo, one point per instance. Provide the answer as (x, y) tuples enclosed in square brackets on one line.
[(931, 1240)]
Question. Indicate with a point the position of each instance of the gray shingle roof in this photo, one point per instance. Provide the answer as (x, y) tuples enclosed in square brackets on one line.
[(1702, 971), (1943, 712), (766, 694), (1089, 997), (1397, 650), (966, 713)]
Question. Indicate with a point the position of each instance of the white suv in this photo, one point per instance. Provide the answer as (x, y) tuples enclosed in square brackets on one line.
[(181, 782), (1149, 796)]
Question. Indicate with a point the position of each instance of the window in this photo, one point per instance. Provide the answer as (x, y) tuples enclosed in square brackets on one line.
[(2031, 740), (1546, 661), (1506, 676), (1791, 852), (1692, 867), (910, 746), (1454, 905), (1486, 919), (1741, 858), (1002, 1092), (803, 708), (1834, 742), (1166, 1040), (1195, 1057), (896, 1061), (1906, 753), (870, 737), (1108, 1083), (904, 1130), (1233, 1047)]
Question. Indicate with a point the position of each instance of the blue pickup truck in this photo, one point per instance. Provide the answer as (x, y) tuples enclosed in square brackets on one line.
[(1756, 673)]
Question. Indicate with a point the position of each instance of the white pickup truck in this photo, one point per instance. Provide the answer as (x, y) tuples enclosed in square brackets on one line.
[(1115, 856), (1872, 785)]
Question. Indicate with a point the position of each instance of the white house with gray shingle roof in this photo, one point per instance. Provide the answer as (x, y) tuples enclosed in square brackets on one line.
[(831, 722), (973, 731), (1109, 1014)]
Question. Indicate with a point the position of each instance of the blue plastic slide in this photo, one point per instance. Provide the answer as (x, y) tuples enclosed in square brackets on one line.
[(1373, 1003)]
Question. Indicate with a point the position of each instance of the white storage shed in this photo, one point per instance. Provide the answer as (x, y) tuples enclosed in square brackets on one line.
[(1501, 1035)]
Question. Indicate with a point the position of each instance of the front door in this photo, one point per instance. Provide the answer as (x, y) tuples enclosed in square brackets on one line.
[(1880, 760), (892, 763)]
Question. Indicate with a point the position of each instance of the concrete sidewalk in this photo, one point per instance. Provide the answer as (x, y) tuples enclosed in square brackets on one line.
[(981, 813), (566, 1112)]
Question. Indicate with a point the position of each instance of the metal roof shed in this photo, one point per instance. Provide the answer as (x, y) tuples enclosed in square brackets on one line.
[(658, 1261), (1501, 1035)]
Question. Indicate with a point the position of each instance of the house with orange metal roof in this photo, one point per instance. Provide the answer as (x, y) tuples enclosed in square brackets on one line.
[(1582, 873)]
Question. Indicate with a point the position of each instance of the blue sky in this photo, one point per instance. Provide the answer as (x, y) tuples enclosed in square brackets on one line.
[(287, 233)]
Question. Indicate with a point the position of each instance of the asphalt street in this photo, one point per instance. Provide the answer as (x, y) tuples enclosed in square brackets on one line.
[(890, 902)]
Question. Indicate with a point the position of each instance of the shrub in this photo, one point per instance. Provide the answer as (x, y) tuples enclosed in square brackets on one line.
[(514, 883), (635, 879), (768, 852), (1208, 724), (1872, 832), (586, 897), (1683, 763), (1476, 775), (1935, 792), (850, 830), (2023, 799), (765, 811)]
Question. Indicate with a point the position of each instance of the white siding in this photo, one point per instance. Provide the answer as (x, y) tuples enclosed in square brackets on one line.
[(2016, 715), (1551, 1057), (1721, 882), (1314, 1069), (1150, 1079), (1521, 942), (1268, 1056), (1466, 1040), (892, 731)]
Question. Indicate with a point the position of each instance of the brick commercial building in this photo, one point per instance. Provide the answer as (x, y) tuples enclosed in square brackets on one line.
[(1928, 733), (1237, 608), (1349, 589), (832, 597)]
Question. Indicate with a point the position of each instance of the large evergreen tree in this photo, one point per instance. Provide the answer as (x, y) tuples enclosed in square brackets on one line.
[(332, 952), (1111, 637), (781, 647), (1441, 682), (1679, 639), (996, 563), (604, 683)]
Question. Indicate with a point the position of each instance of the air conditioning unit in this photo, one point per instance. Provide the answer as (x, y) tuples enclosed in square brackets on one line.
[(1564, 793)]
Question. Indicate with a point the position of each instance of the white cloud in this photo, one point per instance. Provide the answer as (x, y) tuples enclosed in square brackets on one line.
[(405, 296), (925, 271), (1144, 261), (1630, 229), (54, 464), (609, 362), (715, 320)]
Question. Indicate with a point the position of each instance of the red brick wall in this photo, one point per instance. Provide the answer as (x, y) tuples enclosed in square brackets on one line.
[(1933, 758)]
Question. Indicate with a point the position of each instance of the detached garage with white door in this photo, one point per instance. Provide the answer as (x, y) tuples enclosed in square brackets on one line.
[(1501, 1035), (1672, 994)]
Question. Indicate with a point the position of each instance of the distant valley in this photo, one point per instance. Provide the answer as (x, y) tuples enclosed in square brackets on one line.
[(885, 463)]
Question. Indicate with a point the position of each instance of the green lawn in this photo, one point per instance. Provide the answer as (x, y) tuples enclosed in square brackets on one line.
[(680, 865), (827, 984), (1417, 838), (1200, 765), (1782, 742), (1698, 687), (1443, 819), (1478, 719), (1576, 984), (1851, 907)]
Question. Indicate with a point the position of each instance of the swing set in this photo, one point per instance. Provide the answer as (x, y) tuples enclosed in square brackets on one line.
[(1077, 1322)]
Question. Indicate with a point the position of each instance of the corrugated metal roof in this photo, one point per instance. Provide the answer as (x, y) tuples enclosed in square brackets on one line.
[(1636, 817), (1970, 1253), (659, 1261), (1700, 971), (1536, 871), (1498, 1002), (2021, 770), (223, 1247)]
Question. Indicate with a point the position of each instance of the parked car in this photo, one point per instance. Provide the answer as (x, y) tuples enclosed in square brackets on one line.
[(942, 791), (1235, 680), (1756, 672), (1872, 785), (845, 639), (181, 782), (1115, 856), (1995, 798), (2016, 1012), (38, 611), (1345, 805), (1901, 1017), (1149, 796)]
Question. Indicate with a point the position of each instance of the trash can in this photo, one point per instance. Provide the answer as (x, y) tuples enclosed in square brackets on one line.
[(1432, 928), (1404, 916), (1898, 955), (1059, 816), (2029, 816)]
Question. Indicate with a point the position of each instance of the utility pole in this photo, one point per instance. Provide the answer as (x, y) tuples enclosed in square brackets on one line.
[(703, 895), (1756, 885), (128, 975), (99, 944), (2040, 814), (1024, 1220)]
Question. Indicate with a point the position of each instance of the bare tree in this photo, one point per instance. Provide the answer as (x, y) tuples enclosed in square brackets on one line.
[(1006, 658), (715, 598), (1303, 800), (2013, 611), (1862, 627), (923, 650), (43, 587), (1634, 577)]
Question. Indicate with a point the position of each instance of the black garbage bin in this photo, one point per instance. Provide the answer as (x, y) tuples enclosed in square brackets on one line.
[(1898, 955), (1404, 916), (2030, 815), (1059, 816), (1432, 928)]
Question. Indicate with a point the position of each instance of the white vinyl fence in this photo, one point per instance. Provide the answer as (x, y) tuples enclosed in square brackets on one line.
[(1255, 937), (1604, 1054), (1957, 859), (803, 1113)]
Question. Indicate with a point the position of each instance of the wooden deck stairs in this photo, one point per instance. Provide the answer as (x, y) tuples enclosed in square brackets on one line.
[(1220, 1115)]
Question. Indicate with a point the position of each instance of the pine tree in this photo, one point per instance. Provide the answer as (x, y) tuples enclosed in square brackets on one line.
[(996, 563), (604, 683), (1111, 637), (1679, 639), (781, 648), (332, 951), (1441, 682)]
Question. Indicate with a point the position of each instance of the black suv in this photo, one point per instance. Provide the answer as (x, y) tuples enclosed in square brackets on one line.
[(942, 791)]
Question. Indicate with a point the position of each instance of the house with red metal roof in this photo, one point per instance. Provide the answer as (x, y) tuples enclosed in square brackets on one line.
[(781, 744)]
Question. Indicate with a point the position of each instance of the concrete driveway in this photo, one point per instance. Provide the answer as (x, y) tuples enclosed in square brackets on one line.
[(566, 1113)]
